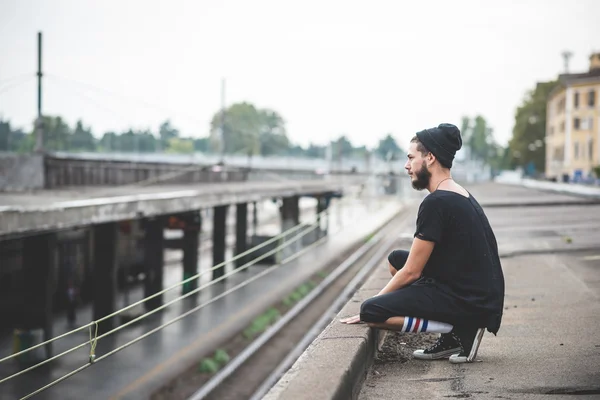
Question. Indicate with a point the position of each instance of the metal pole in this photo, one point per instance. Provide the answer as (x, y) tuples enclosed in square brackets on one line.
[(39, 144), (222, 120)]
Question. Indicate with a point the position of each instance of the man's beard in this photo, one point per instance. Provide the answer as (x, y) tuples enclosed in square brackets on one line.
[(423, 177)]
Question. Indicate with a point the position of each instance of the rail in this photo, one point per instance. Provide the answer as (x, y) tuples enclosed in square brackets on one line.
[(283, 240)]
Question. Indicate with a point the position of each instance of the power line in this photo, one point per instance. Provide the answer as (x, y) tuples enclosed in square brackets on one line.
[(86, 97), (13, 85), (16, 77), (126, 97)]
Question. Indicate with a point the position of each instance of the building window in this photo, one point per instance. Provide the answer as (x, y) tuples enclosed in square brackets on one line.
[(559, 154), (562, 126), (560, 106), (590, 123), (576, 123), (583, 125), (591, 98), (576, 100), (591, 149), (576, 150), (551, 130)]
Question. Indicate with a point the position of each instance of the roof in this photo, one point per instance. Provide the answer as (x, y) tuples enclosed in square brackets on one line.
[(566, 80)]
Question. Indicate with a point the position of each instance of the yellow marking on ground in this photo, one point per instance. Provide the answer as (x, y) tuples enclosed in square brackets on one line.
[(591, 258)]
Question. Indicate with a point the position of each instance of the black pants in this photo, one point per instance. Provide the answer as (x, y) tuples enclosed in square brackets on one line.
[(424, 298)]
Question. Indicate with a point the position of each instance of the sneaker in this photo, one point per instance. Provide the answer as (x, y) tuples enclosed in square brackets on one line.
[(445, 346), (469, 340)]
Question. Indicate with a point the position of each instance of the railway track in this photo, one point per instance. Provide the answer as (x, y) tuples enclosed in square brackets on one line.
[(253, 370)]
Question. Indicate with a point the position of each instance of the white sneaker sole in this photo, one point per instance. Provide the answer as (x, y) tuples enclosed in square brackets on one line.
[(456, 359), (420, 355)]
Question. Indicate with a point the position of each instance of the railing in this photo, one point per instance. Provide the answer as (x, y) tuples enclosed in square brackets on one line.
[(278, 242), (60, 172)]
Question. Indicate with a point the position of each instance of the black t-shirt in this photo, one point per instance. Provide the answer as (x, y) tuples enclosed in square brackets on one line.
[(464, 261)]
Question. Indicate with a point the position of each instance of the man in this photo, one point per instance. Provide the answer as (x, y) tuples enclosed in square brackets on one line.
[(451, 281)]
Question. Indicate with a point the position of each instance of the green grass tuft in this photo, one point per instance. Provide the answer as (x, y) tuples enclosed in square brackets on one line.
[(208, 366), (221, 357)]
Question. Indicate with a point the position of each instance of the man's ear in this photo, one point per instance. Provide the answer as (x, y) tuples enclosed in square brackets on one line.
[(430, 159)]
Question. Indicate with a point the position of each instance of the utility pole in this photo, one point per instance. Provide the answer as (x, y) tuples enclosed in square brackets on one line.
[(222, 138), (39, 123)]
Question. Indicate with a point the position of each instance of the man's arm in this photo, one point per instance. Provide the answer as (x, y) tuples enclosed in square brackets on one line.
[(420, 252)]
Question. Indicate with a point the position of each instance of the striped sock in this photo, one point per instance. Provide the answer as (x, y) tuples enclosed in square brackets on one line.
[(412, 324)]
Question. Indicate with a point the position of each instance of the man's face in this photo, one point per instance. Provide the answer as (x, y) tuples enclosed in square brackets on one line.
[(416, 166)]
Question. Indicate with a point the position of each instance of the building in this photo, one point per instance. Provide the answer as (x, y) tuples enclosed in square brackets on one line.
[(573, 125)]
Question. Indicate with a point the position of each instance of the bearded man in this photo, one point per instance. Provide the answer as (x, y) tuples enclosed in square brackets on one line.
[(451, 280)]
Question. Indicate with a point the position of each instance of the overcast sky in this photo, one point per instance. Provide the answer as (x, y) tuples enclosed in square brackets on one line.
[(328, 67)]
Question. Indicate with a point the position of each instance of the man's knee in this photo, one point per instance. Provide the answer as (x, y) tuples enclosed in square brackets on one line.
[(396, 260), (370, 311), (392, 269)]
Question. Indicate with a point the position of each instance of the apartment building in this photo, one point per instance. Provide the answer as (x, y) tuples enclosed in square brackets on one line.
[(573, 125)]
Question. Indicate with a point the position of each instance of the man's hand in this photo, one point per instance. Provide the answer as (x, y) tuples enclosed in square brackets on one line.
[(355, 319)]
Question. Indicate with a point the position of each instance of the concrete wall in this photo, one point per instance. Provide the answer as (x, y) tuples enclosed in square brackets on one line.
[(20, 172), (64, 172)]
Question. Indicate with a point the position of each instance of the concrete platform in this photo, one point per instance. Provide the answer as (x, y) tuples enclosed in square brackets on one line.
[(135, 372), (548, 343), (58, 209)]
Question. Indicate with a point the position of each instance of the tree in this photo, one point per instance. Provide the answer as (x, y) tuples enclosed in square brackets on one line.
[(465, 128), (56, 134), (166, 132), (480, 139), (202, 144), (296, 151), (271, 144), (82, 139), (248, 130), (109, 142), (10, 140), (527, 145), (240, 129), (180, 146), (128, 141), (147, 142), (388, 147), (342, 147), (315, 151), (273, 137)]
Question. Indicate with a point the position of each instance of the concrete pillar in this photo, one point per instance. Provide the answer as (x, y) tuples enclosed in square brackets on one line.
[(39, 268), (254, 218), (322, 205), (290, 217), (153, 261), (219, 234), (290, 211), (241, 236), (190, 246), (105, 273)]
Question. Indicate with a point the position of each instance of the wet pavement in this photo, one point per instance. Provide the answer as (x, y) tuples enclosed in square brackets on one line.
[(548, 343), (141, 368)]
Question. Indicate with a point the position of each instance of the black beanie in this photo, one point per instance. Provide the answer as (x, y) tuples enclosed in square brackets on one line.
[(443, 141)]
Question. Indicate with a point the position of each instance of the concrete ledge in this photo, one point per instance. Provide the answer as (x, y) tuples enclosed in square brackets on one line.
[(42, 215), (19, 172), (335, 365), (558, 187)]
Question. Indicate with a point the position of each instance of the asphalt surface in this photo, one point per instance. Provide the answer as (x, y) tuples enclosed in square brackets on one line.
[(549, 342)]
